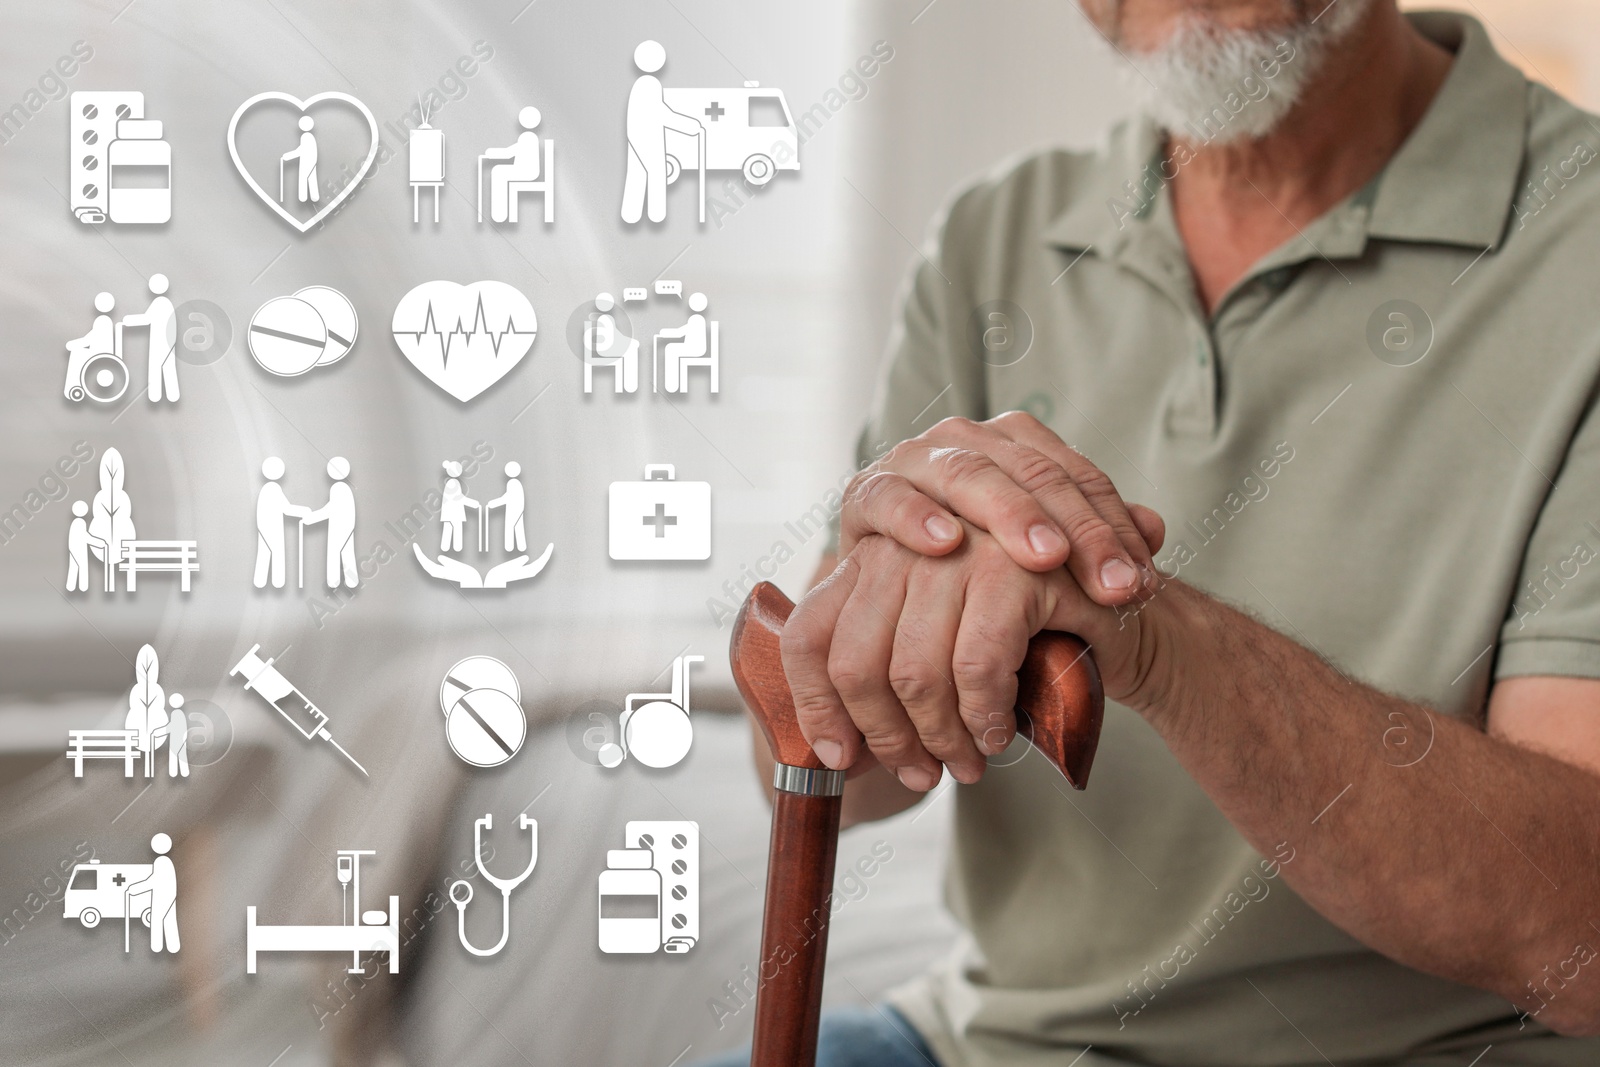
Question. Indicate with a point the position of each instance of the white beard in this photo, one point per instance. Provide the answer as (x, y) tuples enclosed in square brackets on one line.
[(1185, 83)]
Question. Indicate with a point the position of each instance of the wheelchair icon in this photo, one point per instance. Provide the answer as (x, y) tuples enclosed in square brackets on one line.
[(102, 376), (95, 367)]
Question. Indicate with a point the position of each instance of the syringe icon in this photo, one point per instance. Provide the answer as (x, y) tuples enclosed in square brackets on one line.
[(312, 722)]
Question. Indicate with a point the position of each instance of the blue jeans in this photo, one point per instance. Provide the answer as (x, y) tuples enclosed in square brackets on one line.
[(856, 1037)]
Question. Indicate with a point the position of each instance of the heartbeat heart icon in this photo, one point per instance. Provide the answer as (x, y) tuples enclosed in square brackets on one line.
[(303, 161), (464, 338)]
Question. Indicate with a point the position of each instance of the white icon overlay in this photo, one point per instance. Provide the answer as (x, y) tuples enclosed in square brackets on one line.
[(316, 327), (303, 158), (96, 369), (148, 891), (660, 518), (674, 350), (273, 508), (121, 168), (461, 889), (482, 704), (749, 130), (464, 338), (425, 164), (649, 893), (154, 718), (513, 506), (104, 529), (295, 707), (655, 728), (519, 168), (361, 931)]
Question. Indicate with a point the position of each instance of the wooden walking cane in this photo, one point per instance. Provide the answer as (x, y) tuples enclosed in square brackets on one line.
[(1060, 705)]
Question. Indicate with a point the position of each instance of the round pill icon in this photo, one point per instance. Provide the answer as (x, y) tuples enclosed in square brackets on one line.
[(338, 320), (481, 701), (287, 336), (486, 727), (477, 672)]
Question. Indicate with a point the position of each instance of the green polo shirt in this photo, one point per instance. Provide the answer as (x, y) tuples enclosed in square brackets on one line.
[(1382, 443)]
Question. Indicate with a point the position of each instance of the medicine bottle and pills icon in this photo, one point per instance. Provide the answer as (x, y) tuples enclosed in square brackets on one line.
[(482, 704), (315, 327), (121, 166), (649, 893)]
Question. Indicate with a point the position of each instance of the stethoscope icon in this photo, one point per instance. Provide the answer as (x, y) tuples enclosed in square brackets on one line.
[(505, 885)]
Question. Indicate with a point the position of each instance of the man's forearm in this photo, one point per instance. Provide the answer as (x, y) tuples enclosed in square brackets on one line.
[(1447, 850)]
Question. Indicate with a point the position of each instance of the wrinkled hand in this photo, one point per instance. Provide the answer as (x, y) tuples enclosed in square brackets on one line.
[(1042, 500), (911, 659)]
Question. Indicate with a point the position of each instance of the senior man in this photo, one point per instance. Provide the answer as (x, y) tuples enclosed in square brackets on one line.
[(1329, 307)]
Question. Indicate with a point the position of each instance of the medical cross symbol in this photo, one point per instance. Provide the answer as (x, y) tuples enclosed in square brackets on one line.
[(716, 111), (118, 879), (660, 520)]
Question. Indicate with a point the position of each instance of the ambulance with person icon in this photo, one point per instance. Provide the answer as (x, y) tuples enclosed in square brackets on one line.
[(749, 129), (99, 891)]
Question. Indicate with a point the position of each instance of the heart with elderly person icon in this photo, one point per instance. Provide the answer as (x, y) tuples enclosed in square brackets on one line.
[(310, 145)]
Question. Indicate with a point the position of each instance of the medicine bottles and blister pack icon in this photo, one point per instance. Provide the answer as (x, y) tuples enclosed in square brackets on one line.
[(121, 167), (649, 893)]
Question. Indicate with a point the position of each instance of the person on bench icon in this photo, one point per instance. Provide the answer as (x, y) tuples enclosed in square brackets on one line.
[(522, 164)]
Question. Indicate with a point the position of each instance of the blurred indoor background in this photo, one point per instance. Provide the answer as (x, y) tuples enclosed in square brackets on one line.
[(802, 277)]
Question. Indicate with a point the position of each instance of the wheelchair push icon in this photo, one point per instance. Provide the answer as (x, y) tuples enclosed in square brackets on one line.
[(95, 367)]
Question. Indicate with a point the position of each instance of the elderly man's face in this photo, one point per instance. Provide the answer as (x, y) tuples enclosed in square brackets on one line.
[(1143, 25), (1193, 56)]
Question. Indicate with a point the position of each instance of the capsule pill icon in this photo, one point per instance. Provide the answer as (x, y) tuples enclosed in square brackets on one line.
[(481, 700)]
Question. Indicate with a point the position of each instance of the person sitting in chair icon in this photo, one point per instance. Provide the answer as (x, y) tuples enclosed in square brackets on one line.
[(522, 164), (618, 350), (692, 341)]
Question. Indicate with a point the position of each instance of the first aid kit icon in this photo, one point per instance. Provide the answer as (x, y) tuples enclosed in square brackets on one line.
[(660, 517)]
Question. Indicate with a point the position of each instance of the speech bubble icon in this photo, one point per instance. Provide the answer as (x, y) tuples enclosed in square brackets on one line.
[(631, 295), (669, 288)]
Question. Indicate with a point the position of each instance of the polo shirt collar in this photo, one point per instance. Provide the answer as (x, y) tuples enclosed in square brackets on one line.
[(1119, 194), (1453, 180), (1456, 176)]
